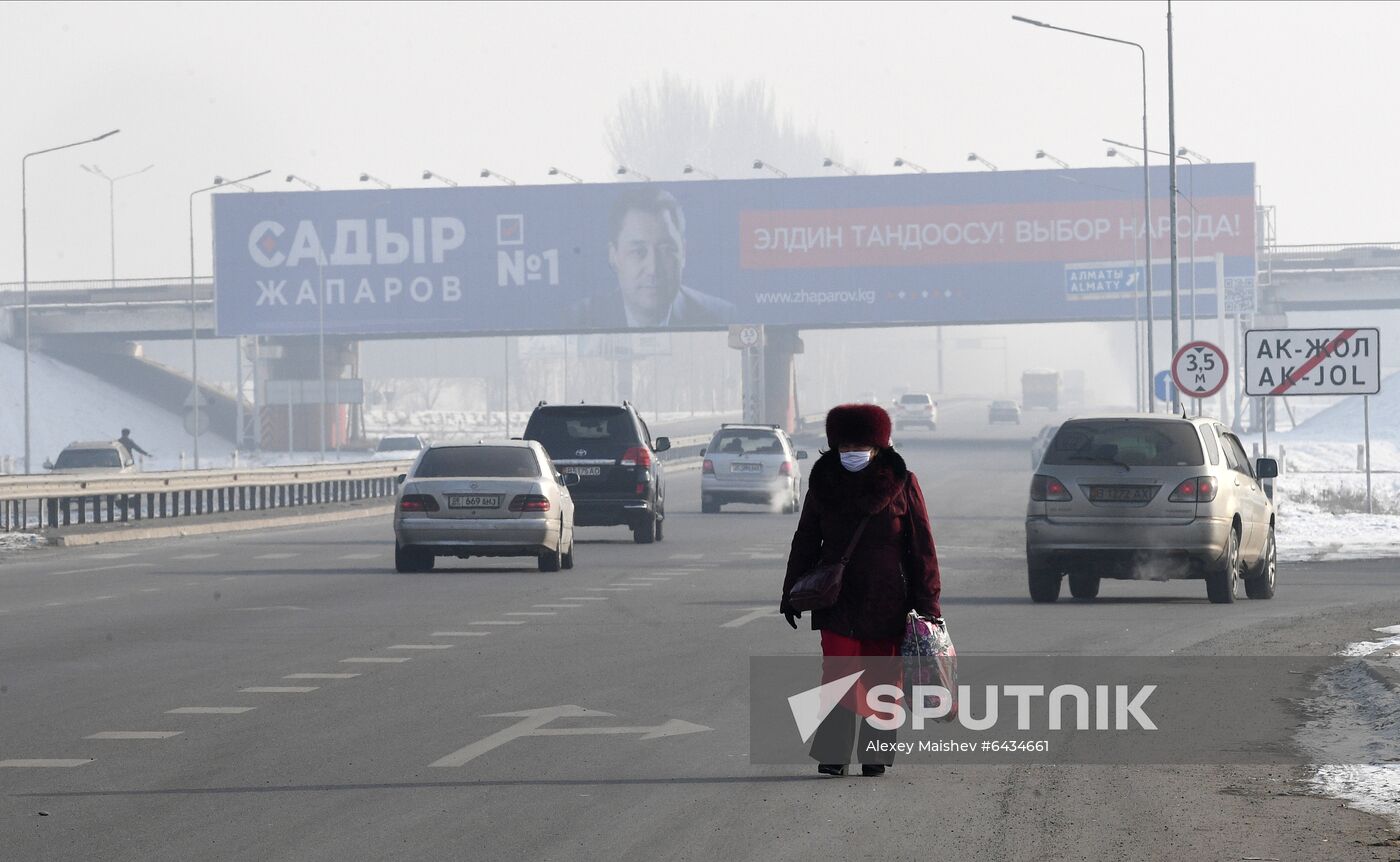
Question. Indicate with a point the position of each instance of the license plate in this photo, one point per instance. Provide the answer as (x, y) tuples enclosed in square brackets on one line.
[(582, 471), (746, 468), (1121, 493), (473, 501)]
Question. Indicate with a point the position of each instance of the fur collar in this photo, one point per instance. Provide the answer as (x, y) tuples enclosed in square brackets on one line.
[(864, 493)]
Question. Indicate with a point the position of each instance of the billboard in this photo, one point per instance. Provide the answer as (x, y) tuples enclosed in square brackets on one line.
[(986, 247)]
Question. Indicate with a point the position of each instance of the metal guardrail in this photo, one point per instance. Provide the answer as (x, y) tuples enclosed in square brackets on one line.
[(50, 502)]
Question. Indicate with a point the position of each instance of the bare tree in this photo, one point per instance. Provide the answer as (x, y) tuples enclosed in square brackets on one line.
[(660, 127)]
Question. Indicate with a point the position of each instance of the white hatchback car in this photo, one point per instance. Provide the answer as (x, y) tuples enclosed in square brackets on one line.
[(751, 464), (502, 499), (915, 408)]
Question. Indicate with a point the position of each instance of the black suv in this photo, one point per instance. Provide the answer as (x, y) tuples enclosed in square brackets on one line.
[(609, 447)]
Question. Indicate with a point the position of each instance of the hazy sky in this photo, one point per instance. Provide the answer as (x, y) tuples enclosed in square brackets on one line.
[(328, 90)]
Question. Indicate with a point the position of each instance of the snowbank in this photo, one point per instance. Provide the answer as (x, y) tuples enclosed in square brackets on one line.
[(68, 405)]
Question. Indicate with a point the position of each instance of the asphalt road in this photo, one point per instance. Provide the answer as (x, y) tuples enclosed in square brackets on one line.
[(310, 690)]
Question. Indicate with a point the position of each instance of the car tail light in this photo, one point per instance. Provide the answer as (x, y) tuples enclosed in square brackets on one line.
[(1048, 489), (928, 408), (529, 503), (708, 467), (641, 489), (418, 503), (1200, 489), (785, 469), (637, 456)]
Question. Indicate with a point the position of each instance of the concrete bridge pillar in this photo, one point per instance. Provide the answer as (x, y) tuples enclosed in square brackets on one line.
[(297, 426)]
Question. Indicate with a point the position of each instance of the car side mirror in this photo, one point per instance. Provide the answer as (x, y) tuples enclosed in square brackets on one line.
[(702, 451), (662, 444), (399, 479), (48, 465), (568, 480), (1266, 468), (802, 454)]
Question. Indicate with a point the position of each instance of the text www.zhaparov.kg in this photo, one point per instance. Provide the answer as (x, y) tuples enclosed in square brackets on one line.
[(815, 297)]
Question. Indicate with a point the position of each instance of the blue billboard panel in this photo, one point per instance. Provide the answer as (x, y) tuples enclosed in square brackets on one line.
[(989, 247)]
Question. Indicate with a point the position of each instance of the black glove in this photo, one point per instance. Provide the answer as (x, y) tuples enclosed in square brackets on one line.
[(792, 617)]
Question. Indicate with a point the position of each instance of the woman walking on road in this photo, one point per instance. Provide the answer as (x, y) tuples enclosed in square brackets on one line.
[(861, 485)]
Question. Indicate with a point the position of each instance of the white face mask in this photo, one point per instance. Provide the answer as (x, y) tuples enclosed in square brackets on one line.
[(855, 461)]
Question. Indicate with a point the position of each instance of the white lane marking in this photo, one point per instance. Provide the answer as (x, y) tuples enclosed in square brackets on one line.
[(630, 584), (279, 556), (194, 557), (460, 634), (422, 646), (686, 557), (41, 764), (531, 613), (320, 675), (114, 555), (54, 604), (273, 608), (584, 598), (210, 710), (532, 723), (278, 689), (372, 556), (135, 734), (229, 578), (753, 614), (556, 606), (655, 578), (151, 590), (607, 589), (374, 660), (107, 568), (102, 598), (496, 623)]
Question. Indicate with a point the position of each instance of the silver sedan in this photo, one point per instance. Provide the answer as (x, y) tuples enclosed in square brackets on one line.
[(501, 499)]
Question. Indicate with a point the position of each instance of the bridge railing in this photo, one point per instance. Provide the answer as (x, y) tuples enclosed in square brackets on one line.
[(1336, 256)]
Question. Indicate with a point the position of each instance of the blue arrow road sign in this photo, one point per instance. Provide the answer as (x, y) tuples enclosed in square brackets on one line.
[(1162, 383)]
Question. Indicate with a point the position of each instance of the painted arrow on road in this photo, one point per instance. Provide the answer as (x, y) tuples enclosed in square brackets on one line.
[(753, 614), (532, 723)]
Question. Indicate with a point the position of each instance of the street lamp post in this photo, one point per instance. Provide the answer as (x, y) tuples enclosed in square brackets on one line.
[(1171, 174), (112, 206), (1041, 154), (761, 165), (24, 254), (194, 320), (1146, 188), (1113, 151), (692, 169), (901, 162), (429, 175), (371, 178), (557, 172), (832, 163), (973, 157), (623, 170)]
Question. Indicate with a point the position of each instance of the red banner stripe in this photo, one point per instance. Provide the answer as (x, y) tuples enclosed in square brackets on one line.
[(1303, 369)]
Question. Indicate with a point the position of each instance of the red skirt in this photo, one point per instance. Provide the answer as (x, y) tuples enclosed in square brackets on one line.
[(843, 656)]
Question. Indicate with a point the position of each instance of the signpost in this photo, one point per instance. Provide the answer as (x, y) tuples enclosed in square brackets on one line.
[(1315, 362), (750, 339)]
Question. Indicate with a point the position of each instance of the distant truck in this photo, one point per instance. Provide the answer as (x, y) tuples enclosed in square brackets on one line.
[(1040, 389)]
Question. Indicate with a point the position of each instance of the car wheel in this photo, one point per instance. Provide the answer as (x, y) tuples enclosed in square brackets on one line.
[(1044, 583), (708, 506), (412, 559), (1261, 585), (1084, 586), (661, 526), (566, 561), (551, 561), (1224, 577), (645, 534)]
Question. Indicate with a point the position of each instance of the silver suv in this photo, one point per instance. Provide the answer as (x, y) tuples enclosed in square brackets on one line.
[(751, 464), (1147, 496)]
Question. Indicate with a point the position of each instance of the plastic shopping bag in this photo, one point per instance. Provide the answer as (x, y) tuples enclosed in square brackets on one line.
[(929, 659)]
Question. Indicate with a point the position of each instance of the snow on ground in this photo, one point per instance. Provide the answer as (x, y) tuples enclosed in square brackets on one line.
[(20, 541), (1352, 733), (68, 405)]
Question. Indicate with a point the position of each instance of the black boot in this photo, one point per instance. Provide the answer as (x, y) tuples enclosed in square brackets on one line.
[(836, 769), (872, 770)]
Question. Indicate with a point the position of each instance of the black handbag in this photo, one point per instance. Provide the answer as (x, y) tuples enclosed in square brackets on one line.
[(820, 586)]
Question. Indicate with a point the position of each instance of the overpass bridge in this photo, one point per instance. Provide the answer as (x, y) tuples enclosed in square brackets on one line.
[(94, 325)]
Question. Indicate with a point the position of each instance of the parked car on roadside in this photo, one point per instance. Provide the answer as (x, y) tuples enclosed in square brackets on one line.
[(1004, 411), (1146, 496), (610, 449), (915, 409), (751, 464), (404, 445), (501, 499), (102, 456)]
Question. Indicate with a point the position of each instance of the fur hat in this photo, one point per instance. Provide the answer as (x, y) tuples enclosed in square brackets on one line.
[(858, 425)]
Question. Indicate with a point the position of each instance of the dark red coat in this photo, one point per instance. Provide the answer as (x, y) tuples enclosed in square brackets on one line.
[(893, 569)]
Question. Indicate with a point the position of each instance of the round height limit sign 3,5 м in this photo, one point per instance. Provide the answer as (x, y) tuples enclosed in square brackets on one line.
[(1199, 369)]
